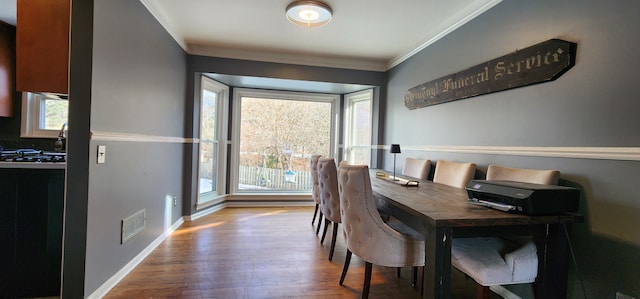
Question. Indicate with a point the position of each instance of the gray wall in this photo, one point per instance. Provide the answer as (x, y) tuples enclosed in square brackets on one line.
[(593, 105), (137, 80)]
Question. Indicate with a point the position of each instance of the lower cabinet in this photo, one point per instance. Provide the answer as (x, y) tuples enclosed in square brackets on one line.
[(31, 232)]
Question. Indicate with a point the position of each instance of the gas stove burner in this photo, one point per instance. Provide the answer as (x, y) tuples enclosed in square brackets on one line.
[(32, 155)]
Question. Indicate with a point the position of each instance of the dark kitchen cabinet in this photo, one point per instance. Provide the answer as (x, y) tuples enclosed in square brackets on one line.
[(31, 232), (42, 45)]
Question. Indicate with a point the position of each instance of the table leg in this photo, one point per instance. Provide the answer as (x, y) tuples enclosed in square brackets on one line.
[(553, 267), (437, 276)]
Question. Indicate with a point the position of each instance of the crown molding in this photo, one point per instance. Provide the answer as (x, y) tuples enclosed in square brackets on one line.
[(468, 16), (159, 14)]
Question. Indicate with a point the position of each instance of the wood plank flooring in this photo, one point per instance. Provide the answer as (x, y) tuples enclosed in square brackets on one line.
[(260, 253)]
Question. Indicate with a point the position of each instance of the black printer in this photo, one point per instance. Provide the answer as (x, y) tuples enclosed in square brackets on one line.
[(525, 198)]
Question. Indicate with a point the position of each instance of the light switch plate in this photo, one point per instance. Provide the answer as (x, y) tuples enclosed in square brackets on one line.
[(102, 153)]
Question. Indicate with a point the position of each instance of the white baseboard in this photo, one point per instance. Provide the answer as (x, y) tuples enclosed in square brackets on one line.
[(116, 278), (503, 292), (206, 212), (266, 204)]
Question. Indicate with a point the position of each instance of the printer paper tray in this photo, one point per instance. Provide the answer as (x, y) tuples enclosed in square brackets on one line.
[(494, 205)]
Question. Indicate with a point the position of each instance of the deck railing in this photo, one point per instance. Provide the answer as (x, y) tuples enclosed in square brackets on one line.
[(269, 178)]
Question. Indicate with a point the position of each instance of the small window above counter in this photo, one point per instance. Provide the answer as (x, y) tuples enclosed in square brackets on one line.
[(44, 115)]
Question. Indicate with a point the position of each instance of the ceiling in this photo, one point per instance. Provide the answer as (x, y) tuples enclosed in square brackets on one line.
[(363, 34), (373, 35)]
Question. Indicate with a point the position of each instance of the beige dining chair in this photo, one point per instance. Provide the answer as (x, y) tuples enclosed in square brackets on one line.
[(329, 198), (417, 168), (366, 235), (315, 189), (455, 174), (498, 261), (534, 176)]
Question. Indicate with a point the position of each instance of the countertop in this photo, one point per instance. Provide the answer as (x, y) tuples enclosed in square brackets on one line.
[(33, 165)]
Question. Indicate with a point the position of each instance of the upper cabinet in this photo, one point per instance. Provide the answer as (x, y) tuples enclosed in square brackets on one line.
[(7, 67), (42, 46)]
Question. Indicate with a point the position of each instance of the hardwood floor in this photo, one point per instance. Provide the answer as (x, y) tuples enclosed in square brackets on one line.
[(260, 253)]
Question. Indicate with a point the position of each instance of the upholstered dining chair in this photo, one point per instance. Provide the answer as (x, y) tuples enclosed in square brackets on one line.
[(534, 176), (329, 198), (315, 189), (499, 261), (455, 174), (417, 168), (366, 234)]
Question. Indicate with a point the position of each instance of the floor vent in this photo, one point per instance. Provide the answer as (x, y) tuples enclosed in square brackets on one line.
[(132, 225)]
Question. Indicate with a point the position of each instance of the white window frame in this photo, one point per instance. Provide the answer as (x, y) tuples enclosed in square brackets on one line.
[(208, 198), (239, 93), (350, 100), (32, 118)]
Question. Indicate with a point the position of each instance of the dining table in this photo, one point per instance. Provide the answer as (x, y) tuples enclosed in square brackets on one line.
[(441, 213)]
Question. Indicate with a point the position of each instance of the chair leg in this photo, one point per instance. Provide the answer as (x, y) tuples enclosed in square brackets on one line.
[(314, 215), (319, 223), (417, 279), (347, 260), (414, 277), (324, 232), (367, 280), (483, 292), (333, 240), (420, 283)]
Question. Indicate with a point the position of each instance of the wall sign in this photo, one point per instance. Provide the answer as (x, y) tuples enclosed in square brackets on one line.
[(539, 63)]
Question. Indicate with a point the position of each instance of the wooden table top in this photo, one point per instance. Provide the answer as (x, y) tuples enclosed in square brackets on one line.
[(446, 206)]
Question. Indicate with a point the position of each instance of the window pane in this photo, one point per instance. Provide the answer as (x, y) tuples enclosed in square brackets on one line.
[(55, 113), (362, 123), (208, 165), (359, 128), (276, 139), (208, 144), (360, 155)]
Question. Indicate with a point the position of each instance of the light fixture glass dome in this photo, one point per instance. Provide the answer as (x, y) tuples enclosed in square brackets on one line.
[(309, 13)]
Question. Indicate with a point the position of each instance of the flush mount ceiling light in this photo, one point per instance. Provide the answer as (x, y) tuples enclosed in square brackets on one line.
[(309, 13)]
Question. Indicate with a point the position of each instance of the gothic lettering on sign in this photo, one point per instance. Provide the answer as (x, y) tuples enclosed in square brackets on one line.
[(540, 63)]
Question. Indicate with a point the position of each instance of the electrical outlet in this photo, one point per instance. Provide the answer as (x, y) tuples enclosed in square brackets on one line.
[(175, 201), (623, 296)]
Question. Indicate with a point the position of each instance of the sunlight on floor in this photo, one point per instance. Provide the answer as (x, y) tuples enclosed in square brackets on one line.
[(192, 229), (187, 230), (262, 215)]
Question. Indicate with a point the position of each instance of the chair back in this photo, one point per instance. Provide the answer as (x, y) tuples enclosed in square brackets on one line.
[(455, 174), (417, 168), (328, 186), (366, 235), (315, 189), (534, 176)]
